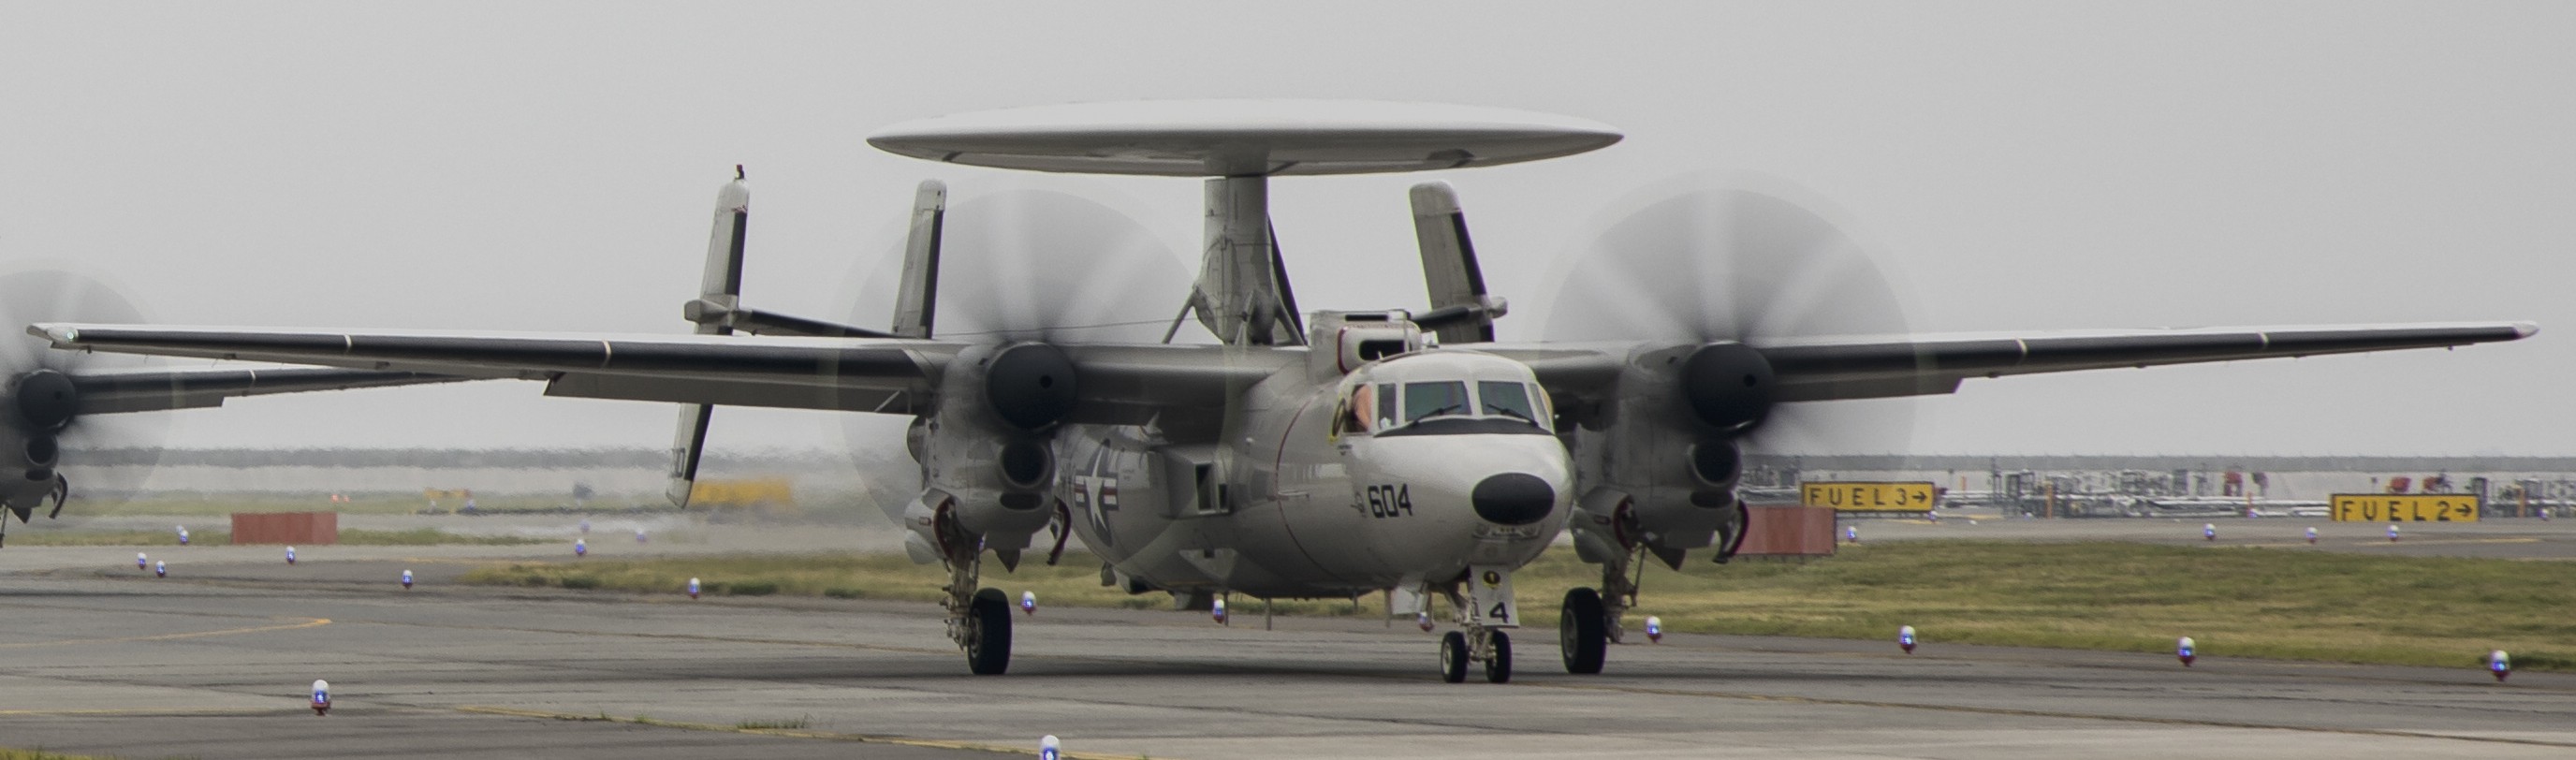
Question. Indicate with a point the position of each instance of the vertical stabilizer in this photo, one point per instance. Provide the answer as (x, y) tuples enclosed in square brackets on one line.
[(721, 284), (918, 301), (1449, 264)]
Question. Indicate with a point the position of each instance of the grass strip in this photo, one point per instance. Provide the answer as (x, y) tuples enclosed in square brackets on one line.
[(352, 537), (2244, 602), (38, 754)]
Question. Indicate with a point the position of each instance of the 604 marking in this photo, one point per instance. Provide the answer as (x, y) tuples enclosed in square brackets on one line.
[(1390, 501)]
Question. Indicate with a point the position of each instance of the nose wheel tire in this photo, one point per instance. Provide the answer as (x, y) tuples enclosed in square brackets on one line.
[(1581, 631), (988, 652), (1453, 657), (1498, 668)]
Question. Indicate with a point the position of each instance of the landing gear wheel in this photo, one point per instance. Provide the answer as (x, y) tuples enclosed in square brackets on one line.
[(1579, 631), (1498, 669), (989, 652), (1453, 657)]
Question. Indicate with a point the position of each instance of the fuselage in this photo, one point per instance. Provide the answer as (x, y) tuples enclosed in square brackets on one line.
[(1402, 471)]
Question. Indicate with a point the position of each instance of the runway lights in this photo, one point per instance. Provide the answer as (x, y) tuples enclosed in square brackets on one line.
[(321, 697), (580, 548), (406, 579), (2499, 664), (2392, 533), (1654, 630), (585, 526), (183, 535), (1217, 610), (140, 563), (1028, 602), (2186, 651), (2312, 535), (693, 588), (160, 569), (639, 535), (1905, 638), (1852, 534), (1422, 620), (290, 555), (1049, 748), (2208, 531)]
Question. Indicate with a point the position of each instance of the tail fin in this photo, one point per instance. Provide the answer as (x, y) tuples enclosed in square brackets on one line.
[(721, 286), (1460, 310), (918, 302)]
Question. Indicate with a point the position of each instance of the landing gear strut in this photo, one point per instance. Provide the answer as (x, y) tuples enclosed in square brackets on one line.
[(979, 620)]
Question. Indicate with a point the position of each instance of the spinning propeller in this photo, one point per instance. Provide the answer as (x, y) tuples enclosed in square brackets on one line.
[(43, 413), (1027, 264), (1723, 263)]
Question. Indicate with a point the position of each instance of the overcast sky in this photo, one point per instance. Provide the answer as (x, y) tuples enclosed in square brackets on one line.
[(2012, 166)]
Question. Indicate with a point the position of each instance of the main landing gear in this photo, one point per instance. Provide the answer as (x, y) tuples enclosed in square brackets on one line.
[(1589, 619), (1580, 631), (979, 620)]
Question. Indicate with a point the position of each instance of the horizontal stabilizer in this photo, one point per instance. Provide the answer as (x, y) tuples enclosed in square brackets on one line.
[(707, 313)]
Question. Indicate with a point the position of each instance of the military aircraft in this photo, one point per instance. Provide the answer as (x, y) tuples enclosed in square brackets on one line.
[(57, 401), (1298, 456)]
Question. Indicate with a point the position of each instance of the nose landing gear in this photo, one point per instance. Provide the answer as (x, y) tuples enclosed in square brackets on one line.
[(1484, 613), (1492, 647)]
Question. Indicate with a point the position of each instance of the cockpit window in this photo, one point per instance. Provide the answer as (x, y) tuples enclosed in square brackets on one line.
[(1385, 404), (1434, 399), (1506, 398)]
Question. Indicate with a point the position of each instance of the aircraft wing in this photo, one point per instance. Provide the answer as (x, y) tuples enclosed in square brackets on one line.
[(1912, 365), (1118, 383), (145, 390), (1920, 365)]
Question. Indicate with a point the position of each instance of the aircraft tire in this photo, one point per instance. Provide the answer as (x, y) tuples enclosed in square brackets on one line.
[(1499, 669), (1453, 657), (1580, 631), (989, 654)]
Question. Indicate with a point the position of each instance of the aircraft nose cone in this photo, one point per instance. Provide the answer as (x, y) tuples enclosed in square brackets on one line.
[(1513, 498)]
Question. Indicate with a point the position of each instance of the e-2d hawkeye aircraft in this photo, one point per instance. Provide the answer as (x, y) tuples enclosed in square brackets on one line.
[(1400, 451)]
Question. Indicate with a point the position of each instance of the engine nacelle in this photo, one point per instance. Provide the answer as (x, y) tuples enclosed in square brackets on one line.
[(1030, 386), (1728, 386), (46, 400), (988, 452), (1659, 462)]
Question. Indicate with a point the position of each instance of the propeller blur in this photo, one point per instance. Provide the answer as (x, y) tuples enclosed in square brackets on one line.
[(59, 403)]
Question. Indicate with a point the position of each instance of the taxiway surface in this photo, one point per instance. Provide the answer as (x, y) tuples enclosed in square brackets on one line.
[(215, 666)]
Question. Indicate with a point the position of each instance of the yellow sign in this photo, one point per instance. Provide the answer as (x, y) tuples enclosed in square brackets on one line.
[(2405, 507), (1868, 497), (773, 492)]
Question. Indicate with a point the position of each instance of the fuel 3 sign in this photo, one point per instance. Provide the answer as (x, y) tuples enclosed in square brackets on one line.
[(1868, 497), (2422, 507)]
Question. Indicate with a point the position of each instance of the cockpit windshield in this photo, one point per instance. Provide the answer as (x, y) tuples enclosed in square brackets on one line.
[(1444, 407), (1434, 399), (1506, 398)]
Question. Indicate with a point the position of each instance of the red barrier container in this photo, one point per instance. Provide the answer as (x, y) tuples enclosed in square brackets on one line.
[(318, 528), (1788, 531)]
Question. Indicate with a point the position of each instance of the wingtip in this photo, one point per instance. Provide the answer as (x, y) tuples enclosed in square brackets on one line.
[(59, 334), (2525, 329)]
